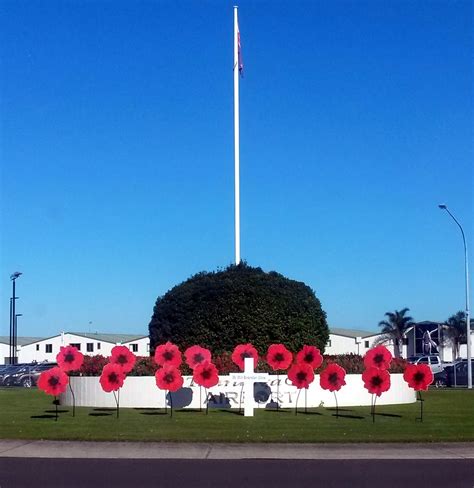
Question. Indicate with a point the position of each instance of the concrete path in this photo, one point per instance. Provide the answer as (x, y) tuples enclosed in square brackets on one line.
[(155, 450)]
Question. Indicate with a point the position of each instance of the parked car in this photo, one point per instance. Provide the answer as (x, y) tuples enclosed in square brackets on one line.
[(6, 372), (26, 376), (457, 373), (433, 361)]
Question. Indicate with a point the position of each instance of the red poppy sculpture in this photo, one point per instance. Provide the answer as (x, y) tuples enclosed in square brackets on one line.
[(169, 378), (419, 377), (376, 381), (111, 380), (205, 374), (70, 359), (301, 375), (278, 357), (53, 382), (123, 357), (195, 355), (333, 379), (168, 355), (243, 351), (378, 357), (310, 355)]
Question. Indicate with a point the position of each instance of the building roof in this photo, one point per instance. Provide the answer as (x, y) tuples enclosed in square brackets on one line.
[(352, 332), (112, 338), (21, 341)]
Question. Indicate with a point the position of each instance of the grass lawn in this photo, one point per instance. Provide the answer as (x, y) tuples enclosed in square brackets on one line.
[(448, 416)]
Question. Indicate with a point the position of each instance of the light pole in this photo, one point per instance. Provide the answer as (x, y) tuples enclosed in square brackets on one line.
[(15, 338), (13, 278), (468, 318)]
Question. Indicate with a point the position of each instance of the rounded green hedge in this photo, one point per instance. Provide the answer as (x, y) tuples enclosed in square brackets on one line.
[(240, 304)]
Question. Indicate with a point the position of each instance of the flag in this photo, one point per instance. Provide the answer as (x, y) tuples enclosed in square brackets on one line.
[(239, 50)]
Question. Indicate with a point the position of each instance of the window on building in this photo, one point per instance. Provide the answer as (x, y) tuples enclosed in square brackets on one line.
[(328, 344), (98, 345), (366, 344), (134, 347), (37, 347), (77, 346), (49, 348), (148, 347), (90, 347), (405, 341)]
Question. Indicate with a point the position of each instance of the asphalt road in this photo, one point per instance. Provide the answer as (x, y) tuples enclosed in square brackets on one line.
[(196, 473)]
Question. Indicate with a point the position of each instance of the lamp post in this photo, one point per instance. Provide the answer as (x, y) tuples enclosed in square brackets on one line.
[(15, 337), (13, 278), (468, 318)]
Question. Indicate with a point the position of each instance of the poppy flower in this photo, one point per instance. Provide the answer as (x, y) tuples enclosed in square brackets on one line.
[(243, 351), (169, 378), (301, 375), (206, 374), (332, 378), (278, 357), (69, 358), (376, 380), (418, 376), (112, 377), (168, 355), (53, 381), (195, 355), (378, 357), (123, 357), (310, 355)]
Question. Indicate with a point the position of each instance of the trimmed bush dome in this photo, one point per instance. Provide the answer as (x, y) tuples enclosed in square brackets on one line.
[(238, 305)]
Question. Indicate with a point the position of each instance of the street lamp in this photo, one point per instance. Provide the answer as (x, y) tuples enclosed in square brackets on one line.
[(468, 318), (15, 337), (13, 278)]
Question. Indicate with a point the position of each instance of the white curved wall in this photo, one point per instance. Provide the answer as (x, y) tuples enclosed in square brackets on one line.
[(141, 391)]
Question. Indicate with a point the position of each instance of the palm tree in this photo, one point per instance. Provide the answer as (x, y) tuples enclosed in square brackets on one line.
[(394, 329), (454, 332)]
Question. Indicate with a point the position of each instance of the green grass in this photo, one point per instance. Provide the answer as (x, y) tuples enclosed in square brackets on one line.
[(449, 416)]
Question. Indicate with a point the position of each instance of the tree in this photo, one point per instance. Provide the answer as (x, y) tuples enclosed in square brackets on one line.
[(394, 329), (237, 305), (454, 332)]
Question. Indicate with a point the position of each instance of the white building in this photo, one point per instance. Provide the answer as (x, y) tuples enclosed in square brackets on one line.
[(352, 341), (91, 344)]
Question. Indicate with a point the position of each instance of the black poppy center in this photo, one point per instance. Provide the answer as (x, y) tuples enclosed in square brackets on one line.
[(378, 359), (206, 374), (53, 381), (301, 376), (332, 378), (418, 377), (198, 358), (309, 357), (168, 355), (69, 357), (245, 354), (377, 381), (122, 359), (279, 357), (169, 378), (113, 378)]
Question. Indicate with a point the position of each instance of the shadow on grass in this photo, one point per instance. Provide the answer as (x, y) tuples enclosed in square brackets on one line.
[(43, 417), (153, 413), (108, 409), (345, 416), (54, 411), (302, 412), (100, 414), (235, 412), (191, 410), (389, 415), (333, 409)]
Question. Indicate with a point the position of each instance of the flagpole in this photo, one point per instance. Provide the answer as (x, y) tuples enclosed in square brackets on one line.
[(236, 139)]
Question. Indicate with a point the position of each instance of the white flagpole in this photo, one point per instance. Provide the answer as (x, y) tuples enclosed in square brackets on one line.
[(236, 139)]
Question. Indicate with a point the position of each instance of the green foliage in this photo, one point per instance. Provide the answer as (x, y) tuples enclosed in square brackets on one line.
[(240, 304), (394, 328)]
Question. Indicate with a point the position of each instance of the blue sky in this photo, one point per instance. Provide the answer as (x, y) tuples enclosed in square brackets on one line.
[(117, 154)]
